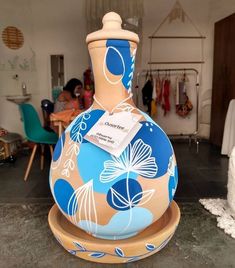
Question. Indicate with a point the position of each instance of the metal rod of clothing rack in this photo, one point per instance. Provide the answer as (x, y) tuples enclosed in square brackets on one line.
[(175, 62), (175, 37), (152, 71)]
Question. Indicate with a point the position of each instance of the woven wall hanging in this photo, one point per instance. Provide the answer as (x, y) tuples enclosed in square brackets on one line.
[(12, 37)]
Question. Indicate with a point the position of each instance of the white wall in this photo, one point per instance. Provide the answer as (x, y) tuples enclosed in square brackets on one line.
[(49, 27), (59, 26)]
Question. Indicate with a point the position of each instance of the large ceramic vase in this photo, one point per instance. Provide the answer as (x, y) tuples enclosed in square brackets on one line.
[(112, 197)]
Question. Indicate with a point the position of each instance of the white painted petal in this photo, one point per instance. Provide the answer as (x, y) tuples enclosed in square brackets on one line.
[(120, 198), (142, 197), (76, 149), (140, 151), (147, 168), (111, 171)]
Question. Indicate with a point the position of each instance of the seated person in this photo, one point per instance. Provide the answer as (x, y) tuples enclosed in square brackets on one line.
[(71, 97)]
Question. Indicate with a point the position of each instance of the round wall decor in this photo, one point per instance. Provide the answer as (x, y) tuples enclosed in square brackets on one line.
[(12, 37)]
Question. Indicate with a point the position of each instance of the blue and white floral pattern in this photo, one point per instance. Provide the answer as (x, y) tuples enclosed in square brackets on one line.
[(118, 251), (136, 158)]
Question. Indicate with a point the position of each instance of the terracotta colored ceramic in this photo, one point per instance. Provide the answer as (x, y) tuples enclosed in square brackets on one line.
[(113, 197), (85, 246)]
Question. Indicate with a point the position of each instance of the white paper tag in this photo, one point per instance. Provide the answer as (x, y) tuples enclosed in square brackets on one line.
[(113, 133)]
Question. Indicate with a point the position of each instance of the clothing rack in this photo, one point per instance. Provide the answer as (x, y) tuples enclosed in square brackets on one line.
[(167, 70)]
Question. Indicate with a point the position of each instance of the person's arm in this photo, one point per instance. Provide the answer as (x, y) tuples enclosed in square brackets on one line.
[(72, 104), (64, 96)]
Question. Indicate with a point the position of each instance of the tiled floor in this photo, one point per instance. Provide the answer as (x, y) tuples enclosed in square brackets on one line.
[(200, 175)]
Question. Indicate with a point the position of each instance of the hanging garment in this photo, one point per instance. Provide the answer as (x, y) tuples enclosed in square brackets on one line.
[(153, 108), (154, 96), (166, 96), (88, 98), (177, 92), (147, 92), (183, 104), (154, 100), (159, 84)]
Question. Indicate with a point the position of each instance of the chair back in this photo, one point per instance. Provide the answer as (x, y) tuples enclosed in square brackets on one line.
[(47, 108), (31, 121)]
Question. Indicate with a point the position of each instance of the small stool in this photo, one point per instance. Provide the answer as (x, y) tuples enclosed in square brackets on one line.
[(9, 143)]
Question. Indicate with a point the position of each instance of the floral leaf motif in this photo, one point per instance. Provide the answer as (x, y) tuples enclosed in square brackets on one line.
[(77, 137), (136, 158), (65, 172), (83, 197), (73, 149), (97, 254), (141, 160), (87, 115), (79, 246), (120, 198), (142, 197), (80, 125), (150, 247), (69, 164), (119, 252), (112, 170), (72, 251), (76, 149)]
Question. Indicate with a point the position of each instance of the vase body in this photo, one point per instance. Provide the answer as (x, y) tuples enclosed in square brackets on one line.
[(113, 197)]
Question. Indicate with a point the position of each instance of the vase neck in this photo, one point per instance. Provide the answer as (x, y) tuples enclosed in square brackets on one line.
[(116, 106), (113, 66), (109, 97)]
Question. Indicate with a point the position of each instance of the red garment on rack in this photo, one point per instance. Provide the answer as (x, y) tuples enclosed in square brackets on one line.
[(166, 96)]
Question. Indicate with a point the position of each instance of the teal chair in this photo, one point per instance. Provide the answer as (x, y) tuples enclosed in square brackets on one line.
[(36, 134)]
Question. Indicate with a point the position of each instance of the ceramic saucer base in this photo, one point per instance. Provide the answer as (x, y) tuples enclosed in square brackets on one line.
[(85, 246)]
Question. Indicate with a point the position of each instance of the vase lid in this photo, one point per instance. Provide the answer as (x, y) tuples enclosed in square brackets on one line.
[(112, 29)]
